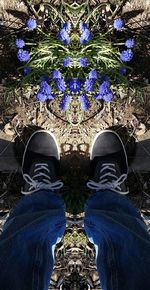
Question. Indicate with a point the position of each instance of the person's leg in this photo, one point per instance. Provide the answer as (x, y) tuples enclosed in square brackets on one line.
[(112, 223), (36, 223)]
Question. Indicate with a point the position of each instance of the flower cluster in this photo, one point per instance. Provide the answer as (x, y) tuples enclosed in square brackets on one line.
[(104, 92), (122, 70), (45, 92), (126, 55), (22, 54), (86, 34), (63, 34), (118, 24), (75, 85), (64, 104), (130, 43), (80, 75), (20, 43), (27, 70), (85, 104), (31, 24), (66, 62), (83, 61)]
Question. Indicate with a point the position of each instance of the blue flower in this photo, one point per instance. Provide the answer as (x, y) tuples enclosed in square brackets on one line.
[(75, 85), (41, 97), (108, 97), (104, 78), (85, 104), (45, 92), (97, 96), (51, 96), (67, 26), (23, 55), (66, 62), (118, 24), (89, 85), (130, 43), (122, 70), (82, 26), (20, 43), (86, 36), (56, 74), (103, 87), (93, 74), (126, 55), (45, 88), (64, 104), (83, 61), (27, 70), (105, 92), (63, 36), (31, 24), (45, 78), (61, 85)]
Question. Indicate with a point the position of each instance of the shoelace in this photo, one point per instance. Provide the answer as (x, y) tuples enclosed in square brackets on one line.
[(103, 183), (46, 180)]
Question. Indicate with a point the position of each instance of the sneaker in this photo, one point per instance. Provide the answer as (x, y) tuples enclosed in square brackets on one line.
[(109, 166), (40, 163)]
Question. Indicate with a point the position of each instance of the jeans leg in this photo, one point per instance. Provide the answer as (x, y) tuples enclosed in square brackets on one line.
[(28, 239), (121, 240)]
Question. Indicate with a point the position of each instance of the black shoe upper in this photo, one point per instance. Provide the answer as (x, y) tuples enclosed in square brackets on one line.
[(40, 166), (109, 165)]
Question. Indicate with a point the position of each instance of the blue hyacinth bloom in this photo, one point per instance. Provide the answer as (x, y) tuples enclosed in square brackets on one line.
[(83, 61), (64, 104), (89, 85), (51, 96), (118, 24), (86, 36), (67, 26), (61, 85), (45, 88), (75, 85), (104, 92), (108, 97), (63, 36), (41, 97), (97, 96), (45, 92), (122, 70), (83, 26), (104, 78), (20, 43), (23, 55), (103, 87), (93, 74), (85, 104), (45, 78), (126, 55), (66, 62), (27, 70), (56, 74), (31, 24), (130, 43)]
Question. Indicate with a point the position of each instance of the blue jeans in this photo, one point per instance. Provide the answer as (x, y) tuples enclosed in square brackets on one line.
[(111, 222)]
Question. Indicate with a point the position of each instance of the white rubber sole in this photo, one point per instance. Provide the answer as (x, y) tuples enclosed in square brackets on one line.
[(101, 132), (41, 131)]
